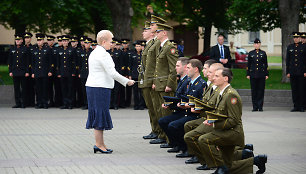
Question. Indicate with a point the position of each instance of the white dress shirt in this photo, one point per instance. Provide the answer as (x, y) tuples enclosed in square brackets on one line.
[(102, 72)]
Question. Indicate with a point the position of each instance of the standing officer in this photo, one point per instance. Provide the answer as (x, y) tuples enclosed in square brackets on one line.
[(257, 72), (77, 96), (221, 53), (115, 54), (126, 56), (164, 82), (304, 44), (83, 68), (135, 62), (66, 71), (51, 80), (19, 70), (296, 71), (144, 84), (30, 83), (41, 66), (94, 44), (59, 41)]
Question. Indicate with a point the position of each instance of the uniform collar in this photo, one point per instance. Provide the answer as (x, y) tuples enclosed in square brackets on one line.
[(183, 77), (192, 81), (163, 43), (221, 92), (208, 82)]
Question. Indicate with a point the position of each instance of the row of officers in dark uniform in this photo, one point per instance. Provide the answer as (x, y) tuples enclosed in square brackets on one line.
[(50, 74)]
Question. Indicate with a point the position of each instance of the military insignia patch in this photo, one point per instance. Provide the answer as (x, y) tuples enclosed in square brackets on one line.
[(233, 101), (172, 51)]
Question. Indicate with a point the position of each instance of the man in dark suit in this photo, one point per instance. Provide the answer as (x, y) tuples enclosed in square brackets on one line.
[(220, 52)]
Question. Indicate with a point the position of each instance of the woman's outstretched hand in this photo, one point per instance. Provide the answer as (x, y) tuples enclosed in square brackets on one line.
[(131, 82)]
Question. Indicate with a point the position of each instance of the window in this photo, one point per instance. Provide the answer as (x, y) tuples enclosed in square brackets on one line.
[(253, 36)]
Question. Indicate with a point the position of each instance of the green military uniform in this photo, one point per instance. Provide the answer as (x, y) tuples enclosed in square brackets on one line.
[(226, 133), (147, 70), (197, 128), (164, 75)]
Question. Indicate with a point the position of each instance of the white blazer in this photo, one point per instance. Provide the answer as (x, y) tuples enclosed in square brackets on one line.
[(102, 72)]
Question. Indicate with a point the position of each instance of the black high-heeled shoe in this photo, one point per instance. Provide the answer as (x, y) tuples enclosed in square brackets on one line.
[(97, 149), (111, 150)]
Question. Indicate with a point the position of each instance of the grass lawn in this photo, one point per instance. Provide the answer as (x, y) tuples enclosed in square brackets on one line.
[(274, 59), (239, 81), (4, 75)]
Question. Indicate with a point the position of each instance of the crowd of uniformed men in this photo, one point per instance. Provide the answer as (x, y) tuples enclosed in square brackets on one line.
[(201, 119)]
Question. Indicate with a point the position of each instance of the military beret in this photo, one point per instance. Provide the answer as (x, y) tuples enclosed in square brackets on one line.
[(143, 43), (18, 36), (171, 102), (39, 36), (162, 27), (50, 37), (147, 25), (88, 40), (27, 34), (174, 42), (82, 38), (296, 34), (65, 37), (59, 38), (138, 42), (257, 40), (125, 41), (94, 43), (156, 19), (74, 39)]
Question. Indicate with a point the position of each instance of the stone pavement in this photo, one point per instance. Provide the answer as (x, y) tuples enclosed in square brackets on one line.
[(55, 141)]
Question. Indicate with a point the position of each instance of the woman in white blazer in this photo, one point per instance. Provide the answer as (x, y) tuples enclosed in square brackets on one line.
[(99, 83)]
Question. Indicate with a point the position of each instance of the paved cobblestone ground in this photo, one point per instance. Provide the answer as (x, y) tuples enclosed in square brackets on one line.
[(55, 141)]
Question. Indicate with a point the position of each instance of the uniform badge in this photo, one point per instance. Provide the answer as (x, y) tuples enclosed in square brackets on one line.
[(13, 51), (172, 51), (233, 101), (82, 55), (60, 53), (291, 50)]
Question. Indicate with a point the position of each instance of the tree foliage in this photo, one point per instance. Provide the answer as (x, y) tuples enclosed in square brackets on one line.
[(51, 16)]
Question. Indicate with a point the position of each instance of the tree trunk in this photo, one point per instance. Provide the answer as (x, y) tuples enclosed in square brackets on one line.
[(207, 34), (289, 15), (121, 12)]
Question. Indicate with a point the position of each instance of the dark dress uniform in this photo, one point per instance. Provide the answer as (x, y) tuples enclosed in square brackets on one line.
[(296, 67), (41, 66), (66, 68), (30, 82), (77, 94), (257, 70), (83, 70), (126, 58), (54, 90), (114, 102), (174, 126), (19, 66), (135, 61)]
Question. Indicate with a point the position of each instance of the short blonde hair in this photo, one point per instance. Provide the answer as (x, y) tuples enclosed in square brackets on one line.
[(104, 35)]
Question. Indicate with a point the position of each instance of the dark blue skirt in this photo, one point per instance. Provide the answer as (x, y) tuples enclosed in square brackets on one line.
[(98, 108)]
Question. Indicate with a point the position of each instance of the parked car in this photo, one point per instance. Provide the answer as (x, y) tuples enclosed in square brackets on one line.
[(240, 61)]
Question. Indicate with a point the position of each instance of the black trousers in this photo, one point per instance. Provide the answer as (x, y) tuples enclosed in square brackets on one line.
[(297, 88), (114, 102), (77, 96), (83, 87), (54, 91), (20, 89), (128, 95), (67, 88), (258, 92), (121, 96), (138, 98), (30, 88), (42, 91)]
